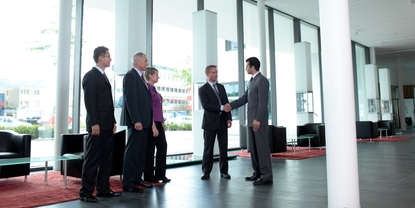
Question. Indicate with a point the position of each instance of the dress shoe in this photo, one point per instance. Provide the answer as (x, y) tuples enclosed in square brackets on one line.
[(261, 181), (133, 189), (225, 175), (205, 176), (144, 184), (166, 180), (251, 178), (88, 198), (109, 194)]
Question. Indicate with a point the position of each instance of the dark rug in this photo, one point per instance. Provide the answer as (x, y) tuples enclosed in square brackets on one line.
[(300, 154), (386, 139), (17, 193)]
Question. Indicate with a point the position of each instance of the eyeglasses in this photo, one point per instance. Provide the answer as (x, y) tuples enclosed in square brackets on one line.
[(107, 56)]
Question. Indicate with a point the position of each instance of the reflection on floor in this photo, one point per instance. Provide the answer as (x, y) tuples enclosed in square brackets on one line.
[(386, 179)]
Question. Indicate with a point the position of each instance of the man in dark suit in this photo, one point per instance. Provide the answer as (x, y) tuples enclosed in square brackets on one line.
[(257, 98), (136, 114), (215, 122), (101, 127)]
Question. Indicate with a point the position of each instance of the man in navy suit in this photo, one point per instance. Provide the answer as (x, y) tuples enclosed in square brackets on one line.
[(215, 122), (257, 98), (137, 115), (101, 127)]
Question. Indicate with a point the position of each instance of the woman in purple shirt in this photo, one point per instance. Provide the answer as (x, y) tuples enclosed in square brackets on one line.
[(156, 136)]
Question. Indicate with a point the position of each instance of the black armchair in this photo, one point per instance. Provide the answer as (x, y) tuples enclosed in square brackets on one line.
[(366, 129), (14, 145), (73, 145), (390, 124), (317, 130), (277, 138)]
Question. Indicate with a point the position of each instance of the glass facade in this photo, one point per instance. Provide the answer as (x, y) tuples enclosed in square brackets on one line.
[(33, 40)]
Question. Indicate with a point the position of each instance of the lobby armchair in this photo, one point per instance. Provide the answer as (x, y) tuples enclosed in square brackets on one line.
[(317, 130), (14, 145), (390, 124), (74, 144), (366, 129), (277, 138)]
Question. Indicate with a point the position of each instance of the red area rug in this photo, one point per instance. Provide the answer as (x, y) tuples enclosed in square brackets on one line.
[(384, 139), (300, 154), (14, 192)]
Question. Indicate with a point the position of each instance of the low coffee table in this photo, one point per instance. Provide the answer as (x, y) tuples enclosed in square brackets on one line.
[(25, 160), (294, 141), (380, 129)]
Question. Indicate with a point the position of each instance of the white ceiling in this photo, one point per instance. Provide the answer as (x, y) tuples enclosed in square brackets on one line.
[(386, 25)]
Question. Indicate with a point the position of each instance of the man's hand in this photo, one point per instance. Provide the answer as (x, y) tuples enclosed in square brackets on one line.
[(255, 125), (138, 126), (95, 130), (115, 129), (227, 107), (229, 123)]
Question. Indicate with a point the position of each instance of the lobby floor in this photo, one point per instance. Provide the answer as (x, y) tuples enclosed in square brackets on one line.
[(386, 179)]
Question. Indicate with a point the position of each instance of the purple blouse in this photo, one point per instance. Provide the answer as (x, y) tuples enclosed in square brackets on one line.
[(157, 104)]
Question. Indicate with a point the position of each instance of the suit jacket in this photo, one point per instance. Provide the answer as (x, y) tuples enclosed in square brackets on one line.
[(136, 101), (210, 104), (257, 98), (98, 101)]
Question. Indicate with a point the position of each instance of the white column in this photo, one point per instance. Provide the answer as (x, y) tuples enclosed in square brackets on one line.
[(372, 92), (62, 75), (262, 37), (385, 94), (303, 81), (130, 37), (342, 168), (401, 96), (204, 53)]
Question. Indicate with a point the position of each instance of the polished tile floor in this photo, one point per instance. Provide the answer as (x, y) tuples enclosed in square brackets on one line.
[(386, 175)]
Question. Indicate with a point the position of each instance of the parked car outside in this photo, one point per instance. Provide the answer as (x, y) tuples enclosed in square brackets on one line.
[(8, 121)]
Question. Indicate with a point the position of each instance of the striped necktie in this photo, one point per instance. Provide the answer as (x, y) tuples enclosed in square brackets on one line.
[(217, 93)]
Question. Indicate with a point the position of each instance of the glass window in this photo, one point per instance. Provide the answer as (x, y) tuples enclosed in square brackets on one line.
[(361, 82), (172, 56), (285, 73), (227, 57), (309, 34)]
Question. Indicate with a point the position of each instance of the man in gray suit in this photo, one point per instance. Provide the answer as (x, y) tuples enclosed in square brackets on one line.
[(257, 98)]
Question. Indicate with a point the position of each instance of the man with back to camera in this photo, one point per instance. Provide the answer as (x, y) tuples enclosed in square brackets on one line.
[(101, 128), (215, 122), (257, 98)]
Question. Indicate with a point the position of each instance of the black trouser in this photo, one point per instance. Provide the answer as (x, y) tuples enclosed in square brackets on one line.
[(134, 156), (97, 163), (160, 143), (209, 136)]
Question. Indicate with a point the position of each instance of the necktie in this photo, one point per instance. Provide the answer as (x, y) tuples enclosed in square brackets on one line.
[(142, 77), (217, 93), (106, 78)]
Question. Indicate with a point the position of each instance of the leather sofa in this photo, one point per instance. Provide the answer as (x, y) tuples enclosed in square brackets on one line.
[(366, 129), (390, 124), (14, 145), (74, 144), (316, 130), (277, 138)]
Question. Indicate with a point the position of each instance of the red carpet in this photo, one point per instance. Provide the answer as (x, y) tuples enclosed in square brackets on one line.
[(384, 139), (300, 154), (14, 192)]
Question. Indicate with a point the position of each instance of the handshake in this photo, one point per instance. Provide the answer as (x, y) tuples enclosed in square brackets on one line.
[(227, 108)]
